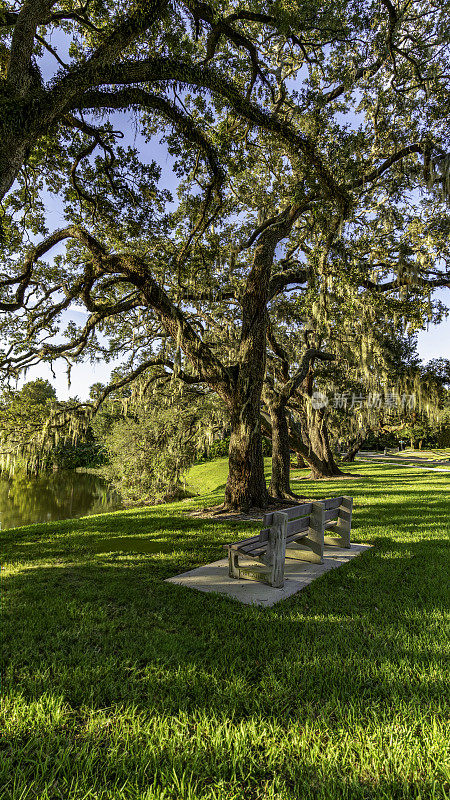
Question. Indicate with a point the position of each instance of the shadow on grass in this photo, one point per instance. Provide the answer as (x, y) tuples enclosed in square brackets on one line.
[(117, 679), (145, 530), (208, 767), (113, 632)]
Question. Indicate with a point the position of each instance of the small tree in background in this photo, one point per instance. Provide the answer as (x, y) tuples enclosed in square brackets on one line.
[(154, 435)]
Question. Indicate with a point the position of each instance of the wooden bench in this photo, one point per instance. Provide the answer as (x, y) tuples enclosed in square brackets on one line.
[(299, 532)]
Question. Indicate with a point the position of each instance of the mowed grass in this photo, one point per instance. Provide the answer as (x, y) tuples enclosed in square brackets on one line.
[(118, 685)]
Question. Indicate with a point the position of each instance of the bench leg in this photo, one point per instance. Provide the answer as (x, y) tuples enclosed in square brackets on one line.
[(343, 525), (310, 548), (233, 564), (276, 551), (254, 573)]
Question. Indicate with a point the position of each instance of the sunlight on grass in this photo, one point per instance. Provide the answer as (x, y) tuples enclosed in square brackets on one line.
[(205, 478), (119, 686)]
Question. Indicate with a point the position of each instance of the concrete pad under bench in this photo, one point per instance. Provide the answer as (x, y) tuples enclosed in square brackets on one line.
[(297, 574)]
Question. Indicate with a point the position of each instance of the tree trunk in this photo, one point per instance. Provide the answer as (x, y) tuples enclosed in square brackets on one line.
[(325, 465), (246, 483), (353, 448), (311, 440), (301, 463), (351, 454), (281, 454), (12, 156)]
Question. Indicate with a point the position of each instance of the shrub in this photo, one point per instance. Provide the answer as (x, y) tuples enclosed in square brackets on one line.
[(148, 454)]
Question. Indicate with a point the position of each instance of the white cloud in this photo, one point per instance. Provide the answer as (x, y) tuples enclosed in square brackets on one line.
[(77, 309)]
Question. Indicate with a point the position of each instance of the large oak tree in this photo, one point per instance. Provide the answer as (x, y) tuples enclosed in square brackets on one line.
[(260, 104)]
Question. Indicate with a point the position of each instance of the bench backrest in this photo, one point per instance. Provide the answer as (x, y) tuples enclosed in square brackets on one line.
[(299, 521), (298, 516)]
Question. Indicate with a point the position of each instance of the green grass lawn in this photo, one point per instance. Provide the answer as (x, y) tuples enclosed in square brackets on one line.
[(118, 685)]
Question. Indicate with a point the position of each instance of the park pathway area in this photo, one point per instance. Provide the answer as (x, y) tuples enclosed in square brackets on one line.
[(436, 465)]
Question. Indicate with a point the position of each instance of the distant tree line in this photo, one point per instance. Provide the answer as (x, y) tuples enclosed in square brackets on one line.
[(24, 447)]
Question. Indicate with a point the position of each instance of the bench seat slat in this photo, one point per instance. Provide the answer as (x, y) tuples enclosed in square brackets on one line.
[(254, 553), (332, 513), (249, 548), (261, 537)]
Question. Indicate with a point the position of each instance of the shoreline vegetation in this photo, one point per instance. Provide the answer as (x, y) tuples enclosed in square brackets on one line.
[(119, 686)]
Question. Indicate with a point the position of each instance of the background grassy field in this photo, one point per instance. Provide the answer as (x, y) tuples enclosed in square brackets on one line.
[(118, 685)]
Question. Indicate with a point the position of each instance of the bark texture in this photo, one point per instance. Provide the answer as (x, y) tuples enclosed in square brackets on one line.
[(310, 438), (12, 156), (354, 447), (246, 484), (280, 481)]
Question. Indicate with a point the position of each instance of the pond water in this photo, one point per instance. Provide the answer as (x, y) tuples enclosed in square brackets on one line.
[(60, 495)]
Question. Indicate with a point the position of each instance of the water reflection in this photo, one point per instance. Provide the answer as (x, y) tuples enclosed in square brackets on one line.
[(61, 495)]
